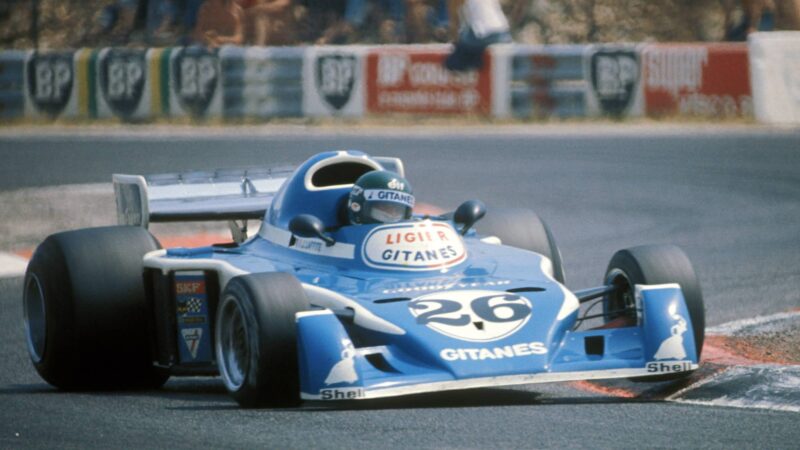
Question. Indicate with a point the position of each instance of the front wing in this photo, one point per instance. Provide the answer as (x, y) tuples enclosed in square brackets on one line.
[(332, 368)]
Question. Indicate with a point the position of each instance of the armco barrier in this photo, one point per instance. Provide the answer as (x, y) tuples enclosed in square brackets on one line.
[(775, 75), (548, 81), (524, 81), (710, 80), (12, 84), (262, 82)]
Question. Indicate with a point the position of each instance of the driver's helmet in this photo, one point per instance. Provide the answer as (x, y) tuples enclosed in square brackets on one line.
[(380, 196)]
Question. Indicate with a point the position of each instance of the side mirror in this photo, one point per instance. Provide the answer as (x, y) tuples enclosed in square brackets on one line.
[(468, 213), (308, 226)]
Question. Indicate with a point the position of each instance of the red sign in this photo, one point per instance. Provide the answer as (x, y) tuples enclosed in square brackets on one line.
[(697, 79), (197, 287), (415, 81)]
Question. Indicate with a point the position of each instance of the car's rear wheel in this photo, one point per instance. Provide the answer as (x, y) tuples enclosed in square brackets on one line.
[(256, 339), (85, 312), (653, 264), (522, 228)]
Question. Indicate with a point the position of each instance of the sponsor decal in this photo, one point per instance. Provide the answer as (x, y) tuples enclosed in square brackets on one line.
[(194, 287), (416, 82), (335, 78), (389, 196), (615, 77), (482, 354), (672, 347), (697, 79), (308, 245), (344, 371), (342, 394), (192, 336), (50, 78), (439, 286), (669, 367), (676, 69), (195, 76), (191, 308), (396, 184), (122, 78), (472, 315), (413, 246)]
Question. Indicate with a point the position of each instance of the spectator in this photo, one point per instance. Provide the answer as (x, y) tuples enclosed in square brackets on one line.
[(759, 15), (270, 22), (220, 22), (391, 22), (320, 15), (427, 20), (115, 22), (482, 24)]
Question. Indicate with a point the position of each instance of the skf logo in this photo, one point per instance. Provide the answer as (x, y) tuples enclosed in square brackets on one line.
[(190, 287), (394, 184)]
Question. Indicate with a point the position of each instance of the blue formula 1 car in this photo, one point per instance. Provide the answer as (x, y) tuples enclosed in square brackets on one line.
[(343, 293)]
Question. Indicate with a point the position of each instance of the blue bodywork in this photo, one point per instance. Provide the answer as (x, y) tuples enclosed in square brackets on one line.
[(415, 307)]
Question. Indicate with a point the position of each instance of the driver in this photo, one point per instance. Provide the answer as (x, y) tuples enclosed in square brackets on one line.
[(380, 196)]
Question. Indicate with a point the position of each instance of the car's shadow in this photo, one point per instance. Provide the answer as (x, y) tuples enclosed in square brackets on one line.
[(209, 394)]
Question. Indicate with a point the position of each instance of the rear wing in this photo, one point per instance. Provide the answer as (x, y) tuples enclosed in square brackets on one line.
[(219, 195), (196, 196)]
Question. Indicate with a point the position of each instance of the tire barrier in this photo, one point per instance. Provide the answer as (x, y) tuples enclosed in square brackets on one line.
[(775, 73), (516, 81)]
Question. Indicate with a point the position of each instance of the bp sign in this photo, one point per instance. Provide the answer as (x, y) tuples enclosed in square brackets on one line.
[(49, 80), (195, 77), (122, 79)]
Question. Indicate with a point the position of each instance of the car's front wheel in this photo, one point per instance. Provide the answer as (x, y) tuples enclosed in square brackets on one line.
[(256, 339), (652, 265)]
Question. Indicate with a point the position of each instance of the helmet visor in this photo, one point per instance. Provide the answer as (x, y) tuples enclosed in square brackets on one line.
[(387, 212)]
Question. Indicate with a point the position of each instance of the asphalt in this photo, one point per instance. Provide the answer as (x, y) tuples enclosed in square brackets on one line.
[(730, 199)]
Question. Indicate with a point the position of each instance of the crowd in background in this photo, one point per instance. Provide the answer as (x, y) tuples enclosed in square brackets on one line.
[(283, 22), (94, 23)]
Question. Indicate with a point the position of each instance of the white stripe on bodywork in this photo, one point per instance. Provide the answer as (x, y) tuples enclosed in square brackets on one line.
[(12, 265), (509, 380), (158, 259), (652, 287), (283, 238), (316, 312), (361, 315)]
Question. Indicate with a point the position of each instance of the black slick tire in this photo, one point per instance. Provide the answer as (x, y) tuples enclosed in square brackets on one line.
[(86, 312), (655, 264), (256, 339), (522, 228)]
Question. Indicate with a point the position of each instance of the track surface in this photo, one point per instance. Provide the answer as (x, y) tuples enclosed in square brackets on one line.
[(730, 199)]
